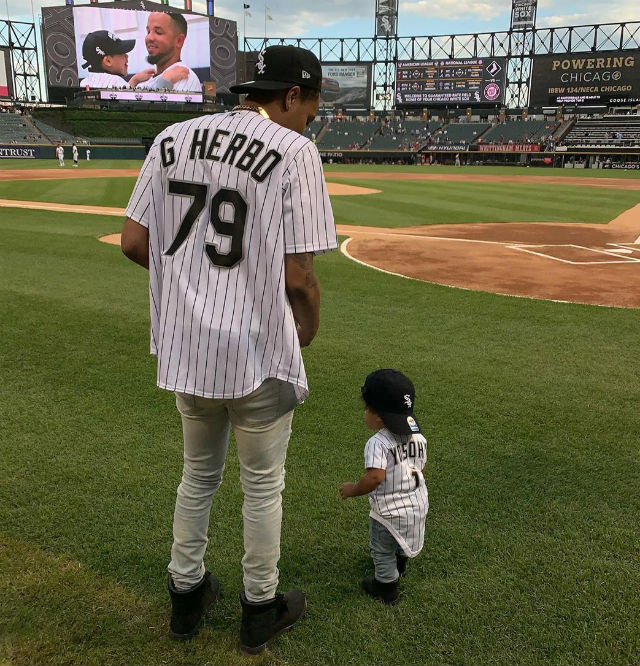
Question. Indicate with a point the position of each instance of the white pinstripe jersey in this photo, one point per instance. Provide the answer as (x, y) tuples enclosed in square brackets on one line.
[(225, 197), (103, 80), (401, 501), (191, 83)]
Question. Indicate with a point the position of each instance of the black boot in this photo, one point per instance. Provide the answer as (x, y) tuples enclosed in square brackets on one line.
[(263, 622), (401, 564), (188, 608), (386, 592)]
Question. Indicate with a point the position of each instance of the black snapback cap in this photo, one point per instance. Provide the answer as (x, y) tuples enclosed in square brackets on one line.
[(392, 395), (282, 67), (103, 43)]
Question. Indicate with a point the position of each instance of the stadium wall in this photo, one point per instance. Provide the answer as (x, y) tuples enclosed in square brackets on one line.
[(30, 151)]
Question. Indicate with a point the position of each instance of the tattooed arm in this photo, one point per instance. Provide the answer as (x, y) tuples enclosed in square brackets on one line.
[(303, 291)]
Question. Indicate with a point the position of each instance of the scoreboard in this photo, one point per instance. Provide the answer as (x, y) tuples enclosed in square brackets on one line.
[(470, 81)]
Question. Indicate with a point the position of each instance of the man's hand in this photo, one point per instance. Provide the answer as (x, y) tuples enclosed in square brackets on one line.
[(346, 490), (175, 73), (142, 76)]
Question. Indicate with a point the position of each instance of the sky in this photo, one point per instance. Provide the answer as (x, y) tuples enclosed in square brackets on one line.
[(355, 18)]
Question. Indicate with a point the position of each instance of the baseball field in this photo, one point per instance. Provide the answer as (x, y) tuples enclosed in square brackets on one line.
[(510, 296)]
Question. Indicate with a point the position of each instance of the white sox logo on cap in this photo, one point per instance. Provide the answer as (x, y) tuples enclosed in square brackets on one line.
[(260, 64), (305, 74)]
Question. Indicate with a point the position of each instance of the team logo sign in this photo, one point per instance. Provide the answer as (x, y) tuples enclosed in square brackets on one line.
[(493, 68), (492, 91), (407, 400), (260, 64)]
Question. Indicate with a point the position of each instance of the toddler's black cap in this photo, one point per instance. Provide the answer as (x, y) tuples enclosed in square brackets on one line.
[(282, 67), (392, 395), (102, 43)]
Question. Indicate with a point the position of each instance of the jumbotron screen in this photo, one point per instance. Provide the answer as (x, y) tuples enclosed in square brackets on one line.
[(143, 50), (470, 81)]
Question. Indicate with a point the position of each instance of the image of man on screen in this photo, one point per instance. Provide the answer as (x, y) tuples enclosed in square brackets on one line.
[(166, 34)]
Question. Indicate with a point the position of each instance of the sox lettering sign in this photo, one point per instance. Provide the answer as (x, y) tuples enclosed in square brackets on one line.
[(523, 14)]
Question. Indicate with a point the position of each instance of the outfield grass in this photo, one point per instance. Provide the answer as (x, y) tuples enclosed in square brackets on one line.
[(403, 204), (68, 161), (400, 204), (530, 409), (495, 170)]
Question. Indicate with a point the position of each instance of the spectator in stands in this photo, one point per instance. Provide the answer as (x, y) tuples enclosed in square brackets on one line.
[(166, 34)]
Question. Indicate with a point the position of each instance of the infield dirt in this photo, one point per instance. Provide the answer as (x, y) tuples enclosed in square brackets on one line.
[(586, 263)]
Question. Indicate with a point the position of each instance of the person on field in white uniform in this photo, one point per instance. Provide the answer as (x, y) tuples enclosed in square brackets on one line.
[(166, 34), (227, 215), (60, 155)]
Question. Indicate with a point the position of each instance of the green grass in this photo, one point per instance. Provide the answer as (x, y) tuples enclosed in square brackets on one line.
[(403, 204), (530, 409), (83, 191), (400, 204), (82, 163), (495, 170)]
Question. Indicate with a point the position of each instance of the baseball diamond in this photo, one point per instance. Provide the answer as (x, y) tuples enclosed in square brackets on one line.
[(582, 263), (529, 407), (319, 349)]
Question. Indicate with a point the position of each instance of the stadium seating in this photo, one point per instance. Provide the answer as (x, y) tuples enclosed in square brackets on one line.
[(399, 134), (607, 132), (463, 133), (313, 130), (520, 131), (53, 134), (347, 134), (19, 129)]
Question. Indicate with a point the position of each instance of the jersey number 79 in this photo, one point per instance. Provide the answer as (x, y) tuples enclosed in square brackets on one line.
[(234, 229)]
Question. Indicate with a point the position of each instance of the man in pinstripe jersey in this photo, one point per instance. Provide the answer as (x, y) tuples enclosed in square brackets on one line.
[(227, 214), (394, 459)]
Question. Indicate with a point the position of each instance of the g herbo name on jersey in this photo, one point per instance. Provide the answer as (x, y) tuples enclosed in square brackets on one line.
[(222, 146)]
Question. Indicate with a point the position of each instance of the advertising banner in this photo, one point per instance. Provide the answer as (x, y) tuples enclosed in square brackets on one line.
[(447, 148), (346, 85), (592, 78), (6, 80), (19, 152), (151, 96), (509, 148)]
